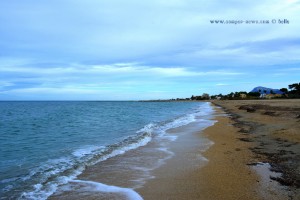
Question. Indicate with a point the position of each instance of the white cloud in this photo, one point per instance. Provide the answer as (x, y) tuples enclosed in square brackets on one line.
[(116, 69), (222, 84), (135, 30), (154, 45), (4, 84)]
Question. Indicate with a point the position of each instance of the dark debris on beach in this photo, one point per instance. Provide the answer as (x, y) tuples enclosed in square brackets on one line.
[(280, 152)]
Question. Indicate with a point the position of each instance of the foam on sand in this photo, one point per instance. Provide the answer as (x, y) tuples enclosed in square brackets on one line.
[(269, 189), (100, 187)]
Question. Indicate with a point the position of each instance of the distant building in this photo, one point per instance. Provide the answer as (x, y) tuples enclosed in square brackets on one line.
[(262, 96), (243, 96), (271, 96), (205, 96)]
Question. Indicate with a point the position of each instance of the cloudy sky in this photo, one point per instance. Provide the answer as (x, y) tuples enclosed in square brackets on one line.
[(133, 49)]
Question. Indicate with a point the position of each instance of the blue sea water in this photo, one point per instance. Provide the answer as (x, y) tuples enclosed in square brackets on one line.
[(47, 144)]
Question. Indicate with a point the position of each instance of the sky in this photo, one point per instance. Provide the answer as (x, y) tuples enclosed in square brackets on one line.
[(138, 50)]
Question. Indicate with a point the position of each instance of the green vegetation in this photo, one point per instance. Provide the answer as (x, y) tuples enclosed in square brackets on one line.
[(204, 96), (292, 92)]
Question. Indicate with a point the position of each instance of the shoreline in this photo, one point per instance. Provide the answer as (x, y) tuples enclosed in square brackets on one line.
[(133, 168), (228, 160), (227, 175), (175, 179), (219, 178), (235, 169)]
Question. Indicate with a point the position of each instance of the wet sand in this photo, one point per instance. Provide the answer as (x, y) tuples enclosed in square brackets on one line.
[(225, 176), (252, 152), (255, 156), (136, 168)]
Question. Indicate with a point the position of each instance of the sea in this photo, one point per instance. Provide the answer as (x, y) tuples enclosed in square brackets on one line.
[(47, 146)]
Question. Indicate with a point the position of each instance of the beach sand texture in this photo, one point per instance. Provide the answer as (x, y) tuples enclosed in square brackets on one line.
[(225, 176), (273, 128), (248, 139), (246, 146)]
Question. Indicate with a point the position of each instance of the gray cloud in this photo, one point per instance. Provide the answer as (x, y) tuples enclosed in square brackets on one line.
[(170, 40)]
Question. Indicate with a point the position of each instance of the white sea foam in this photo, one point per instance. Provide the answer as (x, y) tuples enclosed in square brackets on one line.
[(175, 123), (43, 191), (85, 151), (155, 159), (207, 122), (178, 122), (100, 187), (149, 128), (55, 170), (51, 167), (165, 139), (144, 141)]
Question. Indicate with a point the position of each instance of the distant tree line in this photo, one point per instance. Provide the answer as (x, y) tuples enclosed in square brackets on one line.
[(293, 91), (204, 96)]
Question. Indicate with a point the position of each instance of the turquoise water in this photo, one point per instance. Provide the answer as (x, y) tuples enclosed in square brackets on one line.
[(46, 144)]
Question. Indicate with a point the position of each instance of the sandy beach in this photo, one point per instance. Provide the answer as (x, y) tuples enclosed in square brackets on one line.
[(272, 128), (255, 155), (225, 176), (251, 152)]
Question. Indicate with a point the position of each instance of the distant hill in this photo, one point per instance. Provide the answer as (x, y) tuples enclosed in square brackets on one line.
[(261, 90)]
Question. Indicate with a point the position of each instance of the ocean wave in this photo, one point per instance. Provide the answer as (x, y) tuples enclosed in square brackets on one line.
[(46, 178), (60, 171), (100, 187)]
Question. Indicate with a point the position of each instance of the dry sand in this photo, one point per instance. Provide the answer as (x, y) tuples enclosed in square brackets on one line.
[(269, 134), (251, 132), (273, 128)]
